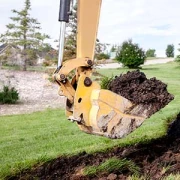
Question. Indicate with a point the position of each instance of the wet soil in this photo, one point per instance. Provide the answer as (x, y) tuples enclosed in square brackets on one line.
[(156, 160), (150, 94)]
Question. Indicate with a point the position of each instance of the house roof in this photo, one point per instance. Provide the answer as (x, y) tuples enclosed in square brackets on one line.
[(3, 47)]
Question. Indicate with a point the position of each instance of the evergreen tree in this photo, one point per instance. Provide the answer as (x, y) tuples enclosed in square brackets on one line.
[(70, 39), (23, 32), (130, 54)]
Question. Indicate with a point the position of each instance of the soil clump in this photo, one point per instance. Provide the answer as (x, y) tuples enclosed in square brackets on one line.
[(151, 94)]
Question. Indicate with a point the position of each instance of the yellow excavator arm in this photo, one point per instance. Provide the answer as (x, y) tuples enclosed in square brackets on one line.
[(95, 110)]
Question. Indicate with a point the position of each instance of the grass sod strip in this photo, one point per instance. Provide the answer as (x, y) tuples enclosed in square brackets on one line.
[(26, 140), (112, 165)]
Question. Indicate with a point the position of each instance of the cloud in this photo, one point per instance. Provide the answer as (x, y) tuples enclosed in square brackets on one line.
[(151, 23), (162, 27)]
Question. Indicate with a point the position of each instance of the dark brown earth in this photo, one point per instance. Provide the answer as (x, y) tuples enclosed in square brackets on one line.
[(156, 160), (151, 94)]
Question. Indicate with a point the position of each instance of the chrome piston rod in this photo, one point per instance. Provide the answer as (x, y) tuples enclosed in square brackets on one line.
[(64, 12), (61, 42)]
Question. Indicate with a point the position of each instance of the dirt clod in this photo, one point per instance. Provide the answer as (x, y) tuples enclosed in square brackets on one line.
[(112, 176), (151, 93)]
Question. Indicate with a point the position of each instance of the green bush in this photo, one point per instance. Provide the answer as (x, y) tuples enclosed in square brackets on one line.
[(150, 53), (112, 165), (9, 95), (170, 50), (105, 82), (177, 58), (130, 54)]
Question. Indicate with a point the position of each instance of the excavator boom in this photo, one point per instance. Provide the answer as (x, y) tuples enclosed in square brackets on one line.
[(88, 13)]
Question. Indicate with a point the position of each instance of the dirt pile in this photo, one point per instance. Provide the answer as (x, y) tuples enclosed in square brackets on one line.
[(151, 93), (156, 160)]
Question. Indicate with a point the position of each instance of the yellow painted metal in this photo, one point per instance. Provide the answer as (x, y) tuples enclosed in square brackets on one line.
[(94, 109), (68, 90), (88, 20), (82, 100), (86, 71), (103, 112), (110, 110), (71, 64), (114, 101)]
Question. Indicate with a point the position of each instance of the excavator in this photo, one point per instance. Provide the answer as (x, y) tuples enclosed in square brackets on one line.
[(95, 110)]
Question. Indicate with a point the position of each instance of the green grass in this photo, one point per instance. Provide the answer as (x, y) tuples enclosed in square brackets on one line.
[(152, 58), (112, 165), (169, 177), (26, 140), (172, 177), (29, 139)]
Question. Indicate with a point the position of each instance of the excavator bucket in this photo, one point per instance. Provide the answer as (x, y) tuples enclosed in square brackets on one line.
[(103, 112)]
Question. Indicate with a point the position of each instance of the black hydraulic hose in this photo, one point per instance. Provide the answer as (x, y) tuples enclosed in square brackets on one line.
[(64, 10)]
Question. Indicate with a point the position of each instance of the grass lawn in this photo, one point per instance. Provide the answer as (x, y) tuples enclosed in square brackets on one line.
[(155, 58), (34, 138)]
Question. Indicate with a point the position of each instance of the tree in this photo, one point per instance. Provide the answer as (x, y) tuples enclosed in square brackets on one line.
[(113, 48), (178, 56), (170, 50), (130, 54), (51, 55), (70, 39), (23, 32), (150, 53), (102, 56)]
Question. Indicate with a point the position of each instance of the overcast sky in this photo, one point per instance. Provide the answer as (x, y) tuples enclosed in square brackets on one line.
[(150, 23)]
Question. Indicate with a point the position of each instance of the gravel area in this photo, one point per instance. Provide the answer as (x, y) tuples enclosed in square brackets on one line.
[(36, 92)]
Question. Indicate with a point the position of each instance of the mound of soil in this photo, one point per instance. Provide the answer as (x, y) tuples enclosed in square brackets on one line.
[(156, 160), (151, 94)]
